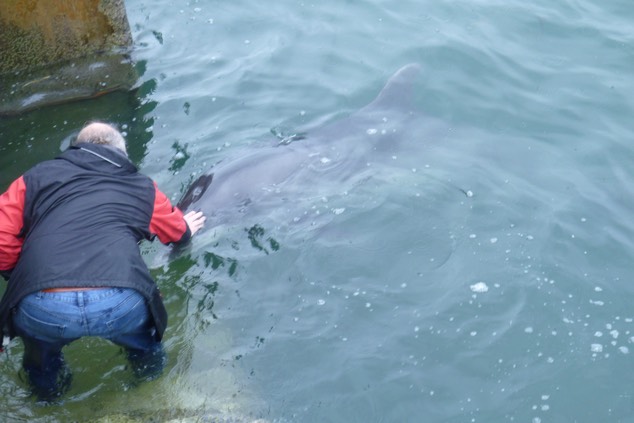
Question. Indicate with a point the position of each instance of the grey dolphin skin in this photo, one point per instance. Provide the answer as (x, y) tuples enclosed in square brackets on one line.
[(333, 154)]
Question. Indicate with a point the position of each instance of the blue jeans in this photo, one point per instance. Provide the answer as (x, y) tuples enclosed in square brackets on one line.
[(47, 321)]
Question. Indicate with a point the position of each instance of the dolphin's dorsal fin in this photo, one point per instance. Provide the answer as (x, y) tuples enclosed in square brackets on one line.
[(398, 92), (195, 191)]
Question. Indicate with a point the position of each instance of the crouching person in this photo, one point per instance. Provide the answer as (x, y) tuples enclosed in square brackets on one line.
[(69, 234)]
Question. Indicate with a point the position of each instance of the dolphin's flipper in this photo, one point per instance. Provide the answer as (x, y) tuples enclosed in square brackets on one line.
[(398, 92), (195, 191)]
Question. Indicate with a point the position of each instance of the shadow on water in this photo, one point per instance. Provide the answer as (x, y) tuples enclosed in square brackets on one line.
[(41, 134)]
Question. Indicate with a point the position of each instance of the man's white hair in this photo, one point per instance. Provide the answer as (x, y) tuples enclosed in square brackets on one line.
[(101, 133)]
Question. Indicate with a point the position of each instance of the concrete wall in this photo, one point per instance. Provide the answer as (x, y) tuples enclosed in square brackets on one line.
[(55, 51), (34, 33)]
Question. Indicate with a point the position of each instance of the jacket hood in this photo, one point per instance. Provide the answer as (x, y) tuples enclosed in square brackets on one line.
[(98, 157)]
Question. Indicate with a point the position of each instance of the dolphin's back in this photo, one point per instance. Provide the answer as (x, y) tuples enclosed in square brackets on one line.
[(329, 155)]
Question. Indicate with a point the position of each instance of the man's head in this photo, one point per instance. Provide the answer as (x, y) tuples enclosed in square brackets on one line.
[(101, 133)]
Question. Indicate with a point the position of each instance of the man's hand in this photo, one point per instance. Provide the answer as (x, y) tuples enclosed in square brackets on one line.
[(195, 221)]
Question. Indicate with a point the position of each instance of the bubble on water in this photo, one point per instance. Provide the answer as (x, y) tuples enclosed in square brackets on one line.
[(479, 287), (529, 329), (472, 236), (598, 334), (624, 350), (493, 240), (598, 289), (537, 420), (372, 131), (614, 333), (339, 210), (210, 21), (596, 348), (321, 302), (473, 333), (416, 328), (325, 160)]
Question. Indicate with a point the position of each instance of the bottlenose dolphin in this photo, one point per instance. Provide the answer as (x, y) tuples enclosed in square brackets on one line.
[(336, 155)]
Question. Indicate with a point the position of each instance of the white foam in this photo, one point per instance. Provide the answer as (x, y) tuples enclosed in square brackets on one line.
[(479, 287)]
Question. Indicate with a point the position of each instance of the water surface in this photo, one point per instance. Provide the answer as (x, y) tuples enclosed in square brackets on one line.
[(395, 297)]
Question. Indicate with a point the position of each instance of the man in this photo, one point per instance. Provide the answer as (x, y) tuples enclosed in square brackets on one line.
[(69, 233)]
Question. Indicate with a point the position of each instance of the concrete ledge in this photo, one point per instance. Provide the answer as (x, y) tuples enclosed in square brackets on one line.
[(78, 79), (53, 51), (34, 33)]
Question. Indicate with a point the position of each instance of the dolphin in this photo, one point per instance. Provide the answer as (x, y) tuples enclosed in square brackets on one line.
[(340, 154)]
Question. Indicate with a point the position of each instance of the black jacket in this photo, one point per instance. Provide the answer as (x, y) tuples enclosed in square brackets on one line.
[(82, 217)]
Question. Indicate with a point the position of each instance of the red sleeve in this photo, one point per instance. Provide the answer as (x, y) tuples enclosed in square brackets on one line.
[(11, 222), (167, 221)]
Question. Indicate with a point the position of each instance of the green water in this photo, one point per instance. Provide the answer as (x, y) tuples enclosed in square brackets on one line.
[(396, 298)]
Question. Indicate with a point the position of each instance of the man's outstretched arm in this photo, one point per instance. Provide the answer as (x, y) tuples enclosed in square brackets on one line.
[(169, 223)]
